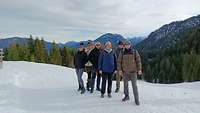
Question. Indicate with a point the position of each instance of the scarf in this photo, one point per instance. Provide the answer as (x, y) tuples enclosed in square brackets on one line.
[(108, 50)]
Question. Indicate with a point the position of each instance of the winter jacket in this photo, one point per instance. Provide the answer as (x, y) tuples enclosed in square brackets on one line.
[(94, 56), (88, 64), (80, 59), (118, 51), (129, 61), (107, 62)]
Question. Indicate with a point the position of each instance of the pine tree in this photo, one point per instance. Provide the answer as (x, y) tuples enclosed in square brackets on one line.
[(40, 52), (167, 70), (31, 49), (162, 71), (65, 57), (148, 74), (55, 56), (13, 53), (5, 54), (161, 76), (185, 70), (172, 74), (44, 51), (23, 52), (198, 67), (155, 73)]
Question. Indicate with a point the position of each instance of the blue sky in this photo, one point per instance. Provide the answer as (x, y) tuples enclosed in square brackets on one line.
[(66, 20)]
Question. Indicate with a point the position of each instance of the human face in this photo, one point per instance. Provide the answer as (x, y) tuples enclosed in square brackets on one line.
[(90, 46), (127, 46), (98, 46), (81, 48), (120, 46), (109, 46)]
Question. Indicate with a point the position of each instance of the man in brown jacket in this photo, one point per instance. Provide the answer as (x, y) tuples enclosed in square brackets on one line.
[(129, 63)]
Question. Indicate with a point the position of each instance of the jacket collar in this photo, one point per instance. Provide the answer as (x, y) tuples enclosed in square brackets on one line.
[(108, 50)]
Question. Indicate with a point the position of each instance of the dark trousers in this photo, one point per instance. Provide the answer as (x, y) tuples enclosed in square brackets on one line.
[(98, 81), (106, 77), (89, 73), (89, 76), (94, 74)]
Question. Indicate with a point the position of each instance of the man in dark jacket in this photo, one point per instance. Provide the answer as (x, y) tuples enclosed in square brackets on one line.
[(80, 60), (107, 66), (88, 65), (93, 58), (118, 51), (130, 65)]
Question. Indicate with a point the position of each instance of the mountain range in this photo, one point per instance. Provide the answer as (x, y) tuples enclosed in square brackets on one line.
[(114, 38), (166, 36)]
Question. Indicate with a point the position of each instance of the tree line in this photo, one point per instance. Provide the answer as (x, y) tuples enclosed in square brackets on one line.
[(35, 50), (179, 63)]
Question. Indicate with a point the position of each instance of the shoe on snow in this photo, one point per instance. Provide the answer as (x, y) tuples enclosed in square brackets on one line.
[(126, 98), (137, 103), (88, 89), (82, 91), (91, 91), (117, 90), (102, 95), (79, 89), (98, 89), (109, 95)]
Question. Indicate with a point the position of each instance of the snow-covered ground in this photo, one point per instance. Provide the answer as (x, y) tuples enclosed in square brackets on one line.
[(40, 88)]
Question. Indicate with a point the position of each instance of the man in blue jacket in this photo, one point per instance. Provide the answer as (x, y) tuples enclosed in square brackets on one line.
[(107, 66)]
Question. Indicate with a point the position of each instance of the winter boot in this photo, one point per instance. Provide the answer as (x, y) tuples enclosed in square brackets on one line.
[(92, 90), (102, 95), (88, 86), (109, 95), (117, 90), (98, 89), (137, 102), (79, 88), (126, 98), (83, 91)]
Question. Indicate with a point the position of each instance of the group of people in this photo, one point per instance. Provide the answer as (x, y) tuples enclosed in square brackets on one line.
[(103, 62)]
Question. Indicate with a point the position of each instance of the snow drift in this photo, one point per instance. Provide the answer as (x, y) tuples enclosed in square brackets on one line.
[(41, 88)]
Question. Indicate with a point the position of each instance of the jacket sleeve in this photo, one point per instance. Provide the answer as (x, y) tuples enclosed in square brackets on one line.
[(100, 61), (117, 52), (115, 62), (119, 62), (138, 61), (74, 60), (85, 58), (90, 57)]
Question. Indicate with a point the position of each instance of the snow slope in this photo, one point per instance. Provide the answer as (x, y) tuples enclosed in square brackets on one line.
[(41, 88)]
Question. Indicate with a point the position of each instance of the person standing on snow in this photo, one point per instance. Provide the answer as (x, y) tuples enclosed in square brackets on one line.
[(93, 58), (88, 65), (107, 66), (118, 51), (130, 66), (80, 60)]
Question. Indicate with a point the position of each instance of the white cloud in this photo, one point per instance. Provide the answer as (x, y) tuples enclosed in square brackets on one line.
[(64, 20)]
